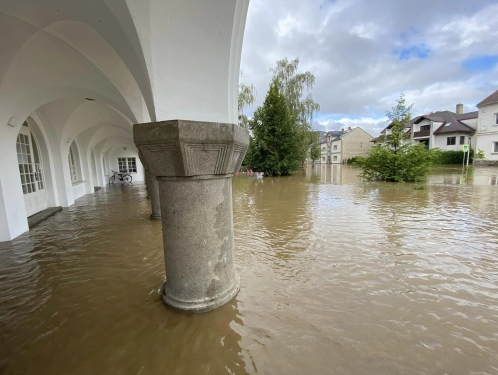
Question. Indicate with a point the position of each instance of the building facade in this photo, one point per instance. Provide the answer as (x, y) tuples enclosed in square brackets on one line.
[(352, 143), (487, 131)]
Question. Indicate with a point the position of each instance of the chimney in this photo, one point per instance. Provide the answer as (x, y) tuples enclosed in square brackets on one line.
[(459, 109), (349, 128), (342, 129)]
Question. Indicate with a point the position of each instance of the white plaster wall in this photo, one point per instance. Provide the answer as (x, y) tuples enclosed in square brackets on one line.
[(441, 140), (120, 152), (192, 50), (487, 133), (139, 60), (337, 152), (78, 189), (486, 142)]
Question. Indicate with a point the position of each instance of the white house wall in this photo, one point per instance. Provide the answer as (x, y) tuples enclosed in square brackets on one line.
[(487, 133)]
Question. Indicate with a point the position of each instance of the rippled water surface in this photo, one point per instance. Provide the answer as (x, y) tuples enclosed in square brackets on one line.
[(338, 277)]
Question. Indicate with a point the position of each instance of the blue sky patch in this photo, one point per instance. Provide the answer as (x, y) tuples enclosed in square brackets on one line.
[(482, 63), (420, 52)]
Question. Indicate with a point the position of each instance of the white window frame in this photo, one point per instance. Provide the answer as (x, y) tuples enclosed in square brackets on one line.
[(495, 148), (72, 166), (496, 119), (128, 160), (335, 158)]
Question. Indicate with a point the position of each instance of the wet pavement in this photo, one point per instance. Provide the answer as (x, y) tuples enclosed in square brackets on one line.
[(338, 277)]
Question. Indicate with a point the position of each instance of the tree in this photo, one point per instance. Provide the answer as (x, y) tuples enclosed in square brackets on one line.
[(302, 108), (395, 160), (247, 96), (275, 146), (315, 152), (399, 115)]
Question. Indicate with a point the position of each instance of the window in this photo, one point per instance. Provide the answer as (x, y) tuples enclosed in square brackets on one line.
[(323, 148), (495, 147), (496, 119), (127, 165), (335, 158), (450, 141), (323, 159), (335, 147), (462, 139), (25, 164), (425, 128), (72, 166)]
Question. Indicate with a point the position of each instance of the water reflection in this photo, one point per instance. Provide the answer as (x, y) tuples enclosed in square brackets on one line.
[(338, 276), (80, 295)]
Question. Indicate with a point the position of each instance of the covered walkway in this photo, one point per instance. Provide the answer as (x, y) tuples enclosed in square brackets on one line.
[(145, 87)]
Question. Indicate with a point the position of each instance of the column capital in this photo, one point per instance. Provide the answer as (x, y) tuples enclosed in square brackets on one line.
[(181, 148)]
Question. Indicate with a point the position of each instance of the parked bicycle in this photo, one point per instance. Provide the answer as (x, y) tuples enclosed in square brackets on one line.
[(125, 177)]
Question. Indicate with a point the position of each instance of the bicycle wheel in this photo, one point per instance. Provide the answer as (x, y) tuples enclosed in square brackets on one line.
[(111, 180), (127, 179)]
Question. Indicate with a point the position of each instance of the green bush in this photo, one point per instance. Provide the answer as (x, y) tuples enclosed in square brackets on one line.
[(409, 163), (451, 157), (353, 160)]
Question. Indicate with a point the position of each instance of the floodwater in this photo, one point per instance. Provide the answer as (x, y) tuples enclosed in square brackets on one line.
[(338, 277)]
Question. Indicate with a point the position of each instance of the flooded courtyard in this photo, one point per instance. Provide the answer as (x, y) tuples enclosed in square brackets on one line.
[(337, 277)]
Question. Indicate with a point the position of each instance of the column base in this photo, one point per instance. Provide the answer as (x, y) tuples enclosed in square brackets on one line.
[(152, 217), (204, 304)]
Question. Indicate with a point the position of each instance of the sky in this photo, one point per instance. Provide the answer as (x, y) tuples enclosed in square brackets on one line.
[(365, 53)]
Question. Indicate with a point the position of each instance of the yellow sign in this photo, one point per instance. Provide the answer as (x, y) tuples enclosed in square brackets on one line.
[(465, 148)]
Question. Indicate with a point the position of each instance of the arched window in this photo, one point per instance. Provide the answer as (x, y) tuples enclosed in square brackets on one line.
[(74, 163), (72, 166)]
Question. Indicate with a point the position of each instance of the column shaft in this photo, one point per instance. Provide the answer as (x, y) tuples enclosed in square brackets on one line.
[(155, 201), (198, 242)]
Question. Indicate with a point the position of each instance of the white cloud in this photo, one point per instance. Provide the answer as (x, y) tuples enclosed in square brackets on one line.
[(353, 46)]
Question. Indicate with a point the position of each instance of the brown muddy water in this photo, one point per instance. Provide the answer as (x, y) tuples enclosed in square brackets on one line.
[(338, 277)]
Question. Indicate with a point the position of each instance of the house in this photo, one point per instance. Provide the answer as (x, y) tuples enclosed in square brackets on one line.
[(385, 135), (487, 130), (445, 130), (348, 144)]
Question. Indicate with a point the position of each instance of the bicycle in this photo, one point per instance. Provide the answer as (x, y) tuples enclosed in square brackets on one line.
[(125, 177)]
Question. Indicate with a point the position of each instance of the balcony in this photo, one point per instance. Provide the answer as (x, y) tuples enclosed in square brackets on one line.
[(422, 134)]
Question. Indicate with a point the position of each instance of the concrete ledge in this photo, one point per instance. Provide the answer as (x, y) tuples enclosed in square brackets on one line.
[(42, 216)]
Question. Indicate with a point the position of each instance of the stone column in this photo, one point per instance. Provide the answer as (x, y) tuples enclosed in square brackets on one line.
[(155, 200), (193, 163), (147, 183), (152, 191)]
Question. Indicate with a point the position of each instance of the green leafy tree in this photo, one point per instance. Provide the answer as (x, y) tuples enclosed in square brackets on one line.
[(315, 152), (399, 115), (275, 145), (396, 160), (247, 96), (296, 88)]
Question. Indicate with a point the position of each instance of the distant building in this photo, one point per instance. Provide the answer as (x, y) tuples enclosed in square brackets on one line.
[(349, 144), (337, 146)]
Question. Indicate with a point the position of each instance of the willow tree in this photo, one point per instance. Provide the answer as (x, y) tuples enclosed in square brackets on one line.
[(247, 96), (296, 88), (314, 148)]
